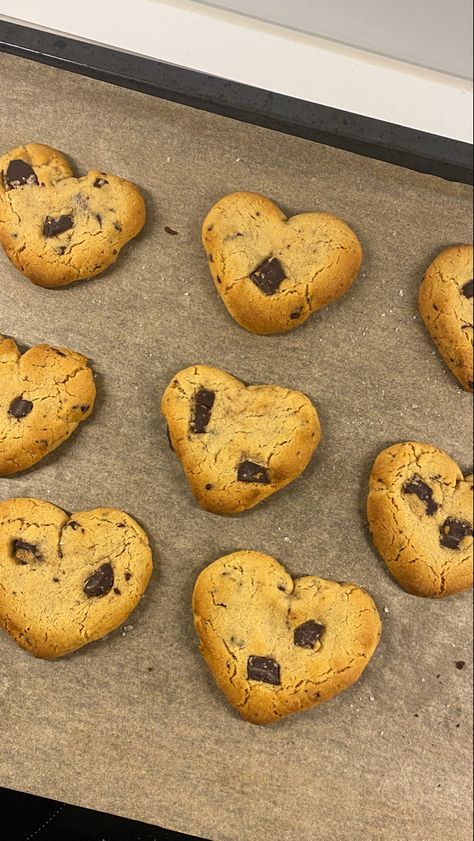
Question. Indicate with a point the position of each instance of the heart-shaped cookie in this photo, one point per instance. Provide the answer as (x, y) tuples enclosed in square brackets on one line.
[(44, 395), (67, 580), (276, 645), (273, 272), (420, 516), (445, 301), (56, 228), (237, 443)]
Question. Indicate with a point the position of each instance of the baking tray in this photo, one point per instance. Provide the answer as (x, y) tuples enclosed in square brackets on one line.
[(389, 757)]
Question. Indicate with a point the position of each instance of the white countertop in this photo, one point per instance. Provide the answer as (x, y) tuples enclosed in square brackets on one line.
[(264, 55)]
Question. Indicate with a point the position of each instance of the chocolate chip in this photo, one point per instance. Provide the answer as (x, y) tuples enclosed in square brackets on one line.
[(52, 227), (307, 634), (423, 492), (56, 580), (452, 532), (296, 313), (268, 276), (127, 576), (265, 669), (117, 591), (208, 487), (84, 409), (459, 664), (248, 471), (99, 182), (467, 289), (203, 403), (25, 553), (20, 408), (18, 174), (100, 582), (171, 231)]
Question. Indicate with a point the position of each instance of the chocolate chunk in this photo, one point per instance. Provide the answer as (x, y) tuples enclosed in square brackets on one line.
[(452, 532), (99, 182), (422, 491), (265, 669), (20, 408), (248, 471), (467, 289), (268, 276), (117, 591), (127, 576), (171, 231), (25, 553), (203, 403), (307, 634), (18, 174), (52, 227), (100, 582)]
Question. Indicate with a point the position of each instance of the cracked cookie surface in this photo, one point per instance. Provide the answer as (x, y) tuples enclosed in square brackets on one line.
[(419, 510), (237, 443), (446, 307), (45, 394), (272, 272), (57, 228), (275, 645), (67, 580)]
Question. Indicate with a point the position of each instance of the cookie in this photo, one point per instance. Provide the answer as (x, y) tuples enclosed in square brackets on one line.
[(446, 307), (275, 645), (419, 509), (237, 443), (44, 395), (67, 580), (57, 228), (273, 272)]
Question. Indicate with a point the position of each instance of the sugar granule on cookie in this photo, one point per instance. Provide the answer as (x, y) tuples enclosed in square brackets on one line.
[(45, 393), (275, 645), (57, 228), (237, 443), (68, 579)]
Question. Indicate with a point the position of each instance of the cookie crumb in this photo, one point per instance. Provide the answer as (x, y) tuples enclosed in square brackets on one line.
[(401, 293), (459, 664), (385, 610)]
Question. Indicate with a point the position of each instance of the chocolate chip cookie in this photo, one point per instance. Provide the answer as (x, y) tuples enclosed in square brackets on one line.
[(57, 228), (273, 272), (275, 645), (67, 580), (446, 307), (420, 516), (237, 443), (44, 395)]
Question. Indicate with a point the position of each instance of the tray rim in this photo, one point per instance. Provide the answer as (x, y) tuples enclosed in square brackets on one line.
[(417, 150)]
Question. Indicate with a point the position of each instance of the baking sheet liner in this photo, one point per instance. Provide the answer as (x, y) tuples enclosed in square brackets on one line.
[(134, 724)]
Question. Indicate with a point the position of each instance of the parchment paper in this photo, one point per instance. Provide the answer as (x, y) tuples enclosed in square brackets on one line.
[(387, 759)]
